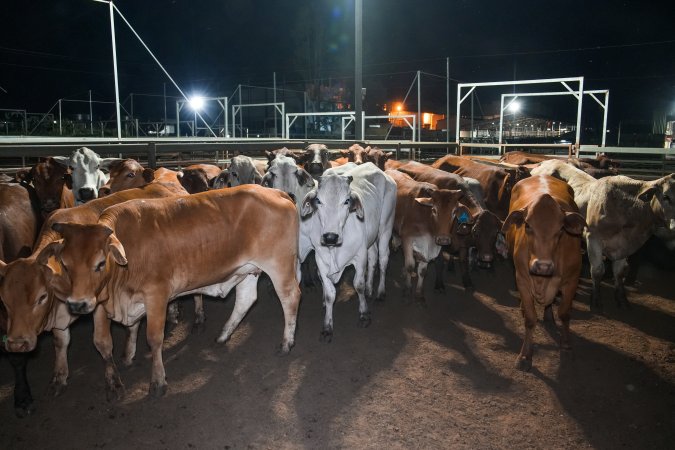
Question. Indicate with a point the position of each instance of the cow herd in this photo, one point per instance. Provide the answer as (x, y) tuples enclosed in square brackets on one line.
[(82, 234)]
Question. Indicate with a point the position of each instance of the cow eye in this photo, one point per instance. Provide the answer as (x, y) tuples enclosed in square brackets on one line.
[(42, 299), (666, 198), (348, 201), (99, 266), (131, 175), (234, 174), (317, 201)]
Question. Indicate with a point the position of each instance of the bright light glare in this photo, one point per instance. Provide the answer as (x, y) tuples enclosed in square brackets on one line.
[(514, 106), (196, 102)]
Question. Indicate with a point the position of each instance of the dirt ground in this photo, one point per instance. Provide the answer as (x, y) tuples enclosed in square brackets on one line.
[(434, 376)]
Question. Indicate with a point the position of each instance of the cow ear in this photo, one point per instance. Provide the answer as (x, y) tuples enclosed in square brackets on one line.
[(257, 178), (574, 223), (515, 218), (387, 155), (3, 269), (148, 175), (308, 205), (116, 249), (304, 178), (53, 250), (179, 174), (425, 201), (345, 152), (108, 164), (647, 193), (24, 176), (356, 205), (270, 155), (62, 160), (463, 214), (68, 179)]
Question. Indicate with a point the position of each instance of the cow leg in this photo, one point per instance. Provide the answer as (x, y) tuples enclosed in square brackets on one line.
[(439, 261), (246, 295), (198, 326), (524, 361), (23, 400), (328, 301), (620, 268), (359, 281), (408, 265), (594, 250), (156, 320), (130, 347), (370, 274), (564, 309), (59, 380), (289, 296), (419, 287), (383, 258), (173, 313), (464, 268), (104, 344)]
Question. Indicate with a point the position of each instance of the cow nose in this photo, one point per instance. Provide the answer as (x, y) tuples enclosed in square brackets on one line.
[(543, 267), (20, 344), (330, 238), (443, 240), (86, 193), (78, 307), (103, 191)]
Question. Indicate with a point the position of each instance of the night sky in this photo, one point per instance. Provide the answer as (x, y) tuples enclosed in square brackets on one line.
[(61, 48)]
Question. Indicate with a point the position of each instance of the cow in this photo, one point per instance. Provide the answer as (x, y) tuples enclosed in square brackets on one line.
[(85, 173), (599, 167), (377, 157), (126, 174), (285, 175), (198, 177), (315, 159), (51, 182), (355, 154), (31, 304), (242, 170), (496, 182), (479, 228), (393, 164), (622, 213), (543, 231), (19, 223), (281, 152), (348, 220), (128, 261), (422, 225)]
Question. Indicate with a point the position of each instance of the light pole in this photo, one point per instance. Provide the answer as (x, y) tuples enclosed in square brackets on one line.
[(358, 70)]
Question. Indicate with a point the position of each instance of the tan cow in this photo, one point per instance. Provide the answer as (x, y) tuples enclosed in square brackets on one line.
[(125, 174), (543, 230), (143, 254)]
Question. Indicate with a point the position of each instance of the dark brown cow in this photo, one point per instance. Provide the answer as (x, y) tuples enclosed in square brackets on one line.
[(377, 157), (480, 229), (424, 215), (355, 154), (599, 167), (141, 255), (19, 223), (198, 177), (495, 181), (126, 174), (543, 231), (51, 182), (32, 306)]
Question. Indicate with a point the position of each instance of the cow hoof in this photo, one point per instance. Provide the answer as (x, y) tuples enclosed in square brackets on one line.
[(56, 388), (524, 364), (157, 390), (198, 328), (364, 320), (326, 336), (284, 349), (114, 391), (380, 298), (127, 362)]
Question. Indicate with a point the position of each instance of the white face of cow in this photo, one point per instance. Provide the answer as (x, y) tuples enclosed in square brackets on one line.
[(332, 201), (87, 179), (285, 175), (242, 171)]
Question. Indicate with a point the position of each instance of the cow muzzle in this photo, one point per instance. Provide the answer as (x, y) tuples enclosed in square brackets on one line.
[(315, 169), (86, 194), (542, 267), (330, 239), (81, 307), (442, 240), (20, 345), (485, 261)]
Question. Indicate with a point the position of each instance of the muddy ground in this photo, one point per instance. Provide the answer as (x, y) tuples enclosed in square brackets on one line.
[(439, 376)]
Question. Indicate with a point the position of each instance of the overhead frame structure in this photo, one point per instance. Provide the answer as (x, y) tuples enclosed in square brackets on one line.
[(292, 117), (604, 105), (279, 107), (405, 118), (222, 102), (577, 93)]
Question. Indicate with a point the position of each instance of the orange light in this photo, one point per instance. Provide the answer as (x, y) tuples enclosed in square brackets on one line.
[(399, 107)]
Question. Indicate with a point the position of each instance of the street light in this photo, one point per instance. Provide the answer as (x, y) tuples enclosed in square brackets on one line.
[(196, 102), (514, 107)]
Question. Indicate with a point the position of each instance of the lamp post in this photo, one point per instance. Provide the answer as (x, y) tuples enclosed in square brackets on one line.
[(358, 70)]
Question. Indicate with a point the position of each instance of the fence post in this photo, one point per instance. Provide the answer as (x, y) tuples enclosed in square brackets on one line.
[(152, 155)]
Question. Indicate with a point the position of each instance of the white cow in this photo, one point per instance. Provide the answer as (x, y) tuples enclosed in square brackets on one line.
[(285, 175), (242, 170), (348, 221), (85, 173)]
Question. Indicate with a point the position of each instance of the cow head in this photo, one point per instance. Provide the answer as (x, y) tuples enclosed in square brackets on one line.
[(285, 175), (544, 223), (661, 194), (125, 174), (444, 204), (377, 157), (355, 154), (332, 201), (242, 171), (221, 181), (86, 176), (48, 177), (487, 237), (78, 266), (28, 300), (194, 180), (315, 159)]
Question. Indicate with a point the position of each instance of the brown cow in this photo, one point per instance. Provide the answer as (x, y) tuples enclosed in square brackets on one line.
[(543, 231), (480, 228), (599, 167), (198, 177), (422, 225), (495, 181), (377, 157), (125, 174), (315, 160), (52, 185), (128, 261), (19, 224), (355, 154), (31, 304)]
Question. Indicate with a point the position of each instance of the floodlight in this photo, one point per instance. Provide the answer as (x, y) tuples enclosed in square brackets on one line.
[(196, 102), (514, 106)]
